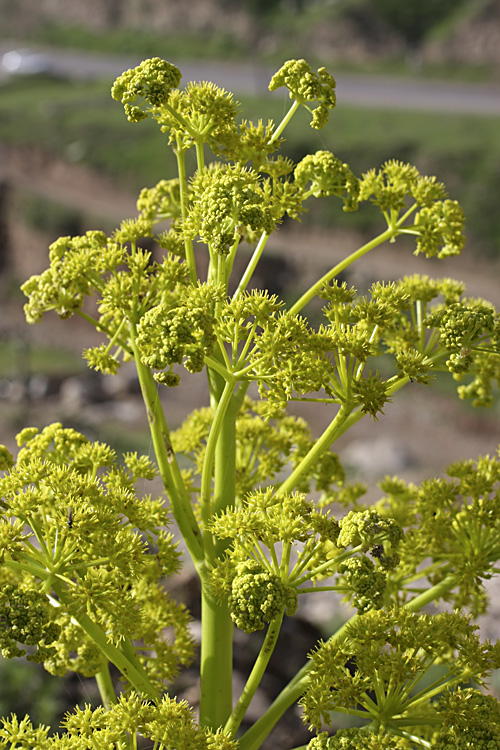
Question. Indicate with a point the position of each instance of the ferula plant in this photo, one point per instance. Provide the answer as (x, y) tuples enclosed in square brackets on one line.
[(264, 509)]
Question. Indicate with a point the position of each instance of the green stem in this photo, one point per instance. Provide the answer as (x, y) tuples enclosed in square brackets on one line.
[(245, 279), (255, 736), (435, 592), (285, 121), (188, 243), (200, 154), (256, 675), (102, 328), (313, 291), (218, 367), (128, 665), (182, 120), (229, 261), (106, 687), (331, 433), (169, 469), (223, 444), (216, 667), (216, 660)]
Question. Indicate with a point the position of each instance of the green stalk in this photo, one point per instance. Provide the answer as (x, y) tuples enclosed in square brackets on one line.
[(331, 433), (245, 279), (435, 592), (254, 737), (285, 121), (220, 444), (200, 154), (316, 288), (188, 244), (169, 469), (128, 665), (106, 687), (216, 658), (256, 675)]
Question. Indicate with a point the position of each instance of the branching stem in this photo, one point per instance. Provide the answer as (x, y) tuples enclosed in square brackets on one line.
[(256, 675)]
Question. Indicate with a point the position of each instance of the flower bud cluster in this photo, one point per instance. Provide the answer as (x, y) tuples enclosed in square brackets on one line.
[(258, 596), (306, 87), (152, 81)]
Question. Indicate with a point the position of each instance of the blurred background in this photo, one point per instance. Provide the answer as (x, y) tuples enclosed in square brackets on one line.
[(418, 80)]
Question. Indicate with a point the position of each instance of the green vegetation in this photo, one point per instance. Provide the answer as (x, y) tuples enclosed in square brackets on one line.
[(140, 43), (264, 508)]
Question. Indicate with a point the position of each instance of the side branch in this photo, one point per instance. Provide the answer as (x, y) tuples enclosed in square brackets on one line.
[(167, 463)]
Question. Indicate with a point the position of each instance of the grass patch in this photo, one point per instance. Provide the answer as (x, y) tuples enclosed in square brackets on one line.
[(177, 44)]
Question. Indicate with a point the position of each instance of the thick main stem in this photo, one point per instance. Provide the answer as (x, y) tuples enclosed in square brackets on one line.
[(216, 660), (216, 667)]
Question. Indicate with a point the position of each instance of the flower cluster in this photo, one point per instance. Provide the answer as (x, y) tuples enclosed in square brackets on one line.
[(103, 552), (307, 87), (125, 280), (358, 739), (152, 81), (391, 185), (201, 113), (469, 719), (179, 331), (227, 203), (451, 528), (75, 263), (369, 530), (365, 584), (258, 596), (327, 175), (26, 618), (167, 723), (399, 190), (313, 546), (390, 648)]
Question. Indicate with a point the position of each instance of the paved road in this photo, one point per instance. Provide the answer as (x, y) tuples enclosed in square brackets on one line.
[(247, 78)]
